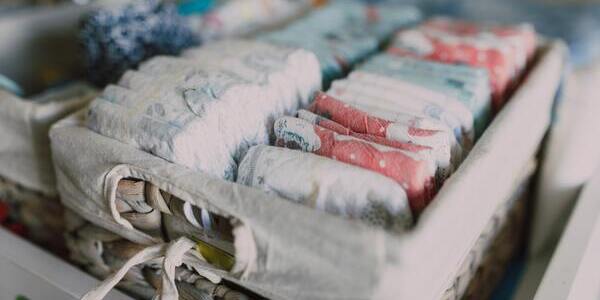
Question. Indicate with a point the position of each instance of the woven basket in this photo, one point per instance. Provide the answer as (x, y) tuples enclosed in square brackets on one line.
[(500, 242), (41, 216), (101, 253), (475, 279)]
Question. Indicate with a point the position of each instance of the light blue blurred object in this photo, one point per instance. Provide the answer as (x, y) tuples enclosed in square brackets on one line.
[(190, 7), (578, 24), (9, 85)]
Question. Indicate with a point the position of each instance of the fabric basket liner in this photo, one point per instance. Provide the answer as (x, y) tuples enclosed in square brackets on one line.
[(296, 252)]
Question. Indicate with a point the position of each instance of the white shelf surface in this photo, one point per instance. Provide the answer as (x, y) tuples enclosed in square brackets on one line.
[(28, 271)]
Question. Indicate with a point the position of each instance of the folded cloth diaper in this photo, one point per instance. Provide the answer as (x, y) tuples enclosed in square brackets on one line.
[(24, 125), (27, 177), (327, 185), (414, 174), (346, 112), (394, 101), (10, 86)]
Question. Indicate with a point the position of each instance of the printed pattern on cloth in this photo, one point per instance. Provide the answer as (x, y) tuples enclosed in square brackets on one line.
[(502, 50), (327, 185), (415, 175)]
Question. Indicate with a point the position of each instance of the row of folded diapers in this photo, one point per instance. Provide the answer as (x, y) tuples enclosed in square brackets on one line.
[(575, 22), (30, 205), (380, 157), (410, 120), (376, 146), (12, 4), (103, 253), (210, 81)]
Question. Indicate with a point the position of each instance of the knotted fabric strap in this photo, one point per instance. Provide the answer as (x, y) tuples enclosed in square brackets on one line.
[(174, 254)]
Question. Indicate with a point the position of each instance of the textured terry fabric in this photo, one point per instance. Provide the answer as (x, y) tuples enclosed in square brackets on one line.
[(468, 199), (521, 38), (24, 125), (327, 185), (399, 125)]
